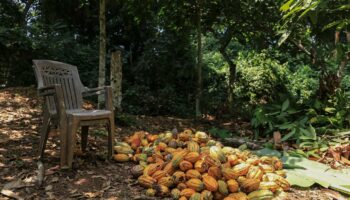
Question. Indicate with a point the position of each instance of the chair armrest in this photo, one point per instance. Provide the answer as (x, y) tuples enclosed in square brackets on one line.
[(106, 90), (93, 91), (46, 91)]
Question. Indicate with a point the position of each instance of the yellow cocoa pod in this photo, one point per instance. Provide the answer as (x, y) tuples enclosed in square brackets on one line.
[(196, 184), (162, 190), (241, 169), (159, 174), (201, 166), (206, 195), (238, 196), (192, 173), (260, 195), (121, 157), (146, 181), (223, 188), (193, 146), (268, 186), (175, 193), (232, 185), (228, 173), (255, 172), (150, 192), (188, 192), (166, 181)]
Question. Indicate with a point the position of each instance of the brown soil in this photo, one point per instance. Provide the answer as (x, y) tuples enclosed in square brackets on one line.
[(91, 177)]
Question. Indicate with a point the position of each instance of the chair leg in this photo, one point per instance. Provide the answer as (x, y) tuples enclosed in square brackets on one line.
[(71, 138), (111, 128), (43, 136), (63, 143), (84, 137)]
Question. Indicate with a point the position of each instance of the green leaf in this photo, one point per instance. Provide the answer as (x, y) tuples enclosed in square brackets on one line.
[(268, 152), (286, 6), (284, 37), (289, 135), (285, 105), (315, 172)]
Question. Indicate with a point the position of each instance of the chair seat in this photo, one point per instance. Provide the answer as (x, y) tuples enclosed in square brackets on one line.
[(88, 113)]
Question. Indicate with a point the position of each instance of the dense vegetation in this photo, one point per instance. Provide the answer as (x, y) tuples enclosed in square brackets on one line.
[(281, 64)]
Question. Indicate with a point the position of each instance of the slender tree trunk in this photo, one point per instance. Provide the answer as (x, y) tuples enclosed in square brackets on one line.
[(116, 80), (28, 4), (199, 61), (102, 53)]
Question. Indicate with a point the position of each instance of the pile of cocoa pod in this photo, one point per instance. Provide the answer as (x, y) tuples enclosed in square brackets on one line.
[(190, 165)]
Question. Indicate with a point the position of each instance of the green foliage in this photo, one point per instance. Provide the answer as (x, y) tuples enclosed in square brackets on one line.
[(220, 133), (259, 78), (303, 84)]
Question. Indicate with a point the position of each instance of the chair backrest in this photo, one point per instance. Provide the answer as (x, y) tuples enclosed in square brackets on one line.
[(50, 72)]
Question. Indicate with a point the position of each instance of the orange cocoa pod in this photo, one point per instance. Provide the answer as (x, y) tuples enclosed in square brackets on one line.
[(228, 173), (255, 172), (211, 161), (179, 177), (192, 157), (181, 186), (166, 181), (192, 173), (188, 192), (183, 198), (214, 172), (193, 146), (238, 196), (233, 160), (146, 181), (196, 184), (241, 169), (169, 169), (232, 185), (151, 168), (201, 166), (210, 183), (185, 165), (159, 174)]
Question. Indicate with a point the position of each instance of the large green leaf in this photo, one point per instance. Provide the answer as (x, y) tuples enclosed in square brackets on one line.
[(315, 172)]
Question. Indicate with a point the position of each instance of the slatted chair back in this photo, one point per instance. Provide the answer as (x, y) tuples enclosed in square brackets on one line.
[(50, 72)]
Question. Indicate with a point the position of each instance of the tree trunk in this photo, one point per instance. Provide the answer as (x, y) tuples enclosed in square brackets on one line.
[(199, 61), (116, 80), (102, 53)]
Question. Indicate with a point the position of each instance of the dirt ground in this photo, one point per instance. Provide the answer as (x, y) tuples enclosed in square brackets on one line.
[(91, 177)]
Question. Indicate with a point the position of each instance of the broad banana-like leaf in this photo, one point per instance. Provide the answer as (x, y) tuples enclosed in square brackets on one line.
[(307, 172)]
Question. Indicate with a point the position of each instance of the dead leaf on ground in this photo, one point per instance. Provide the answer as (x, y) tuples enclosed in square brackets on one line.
[(333, 194)]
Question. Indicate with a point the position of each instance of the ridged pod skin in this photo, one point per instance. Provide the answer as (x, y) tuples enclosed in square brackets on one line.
[(175, 193), (188, 192), (210, 183), (281, 173), (255, 172), (137, 170), (121, 157), (178, 157), (196, 196), (232, 159), (253, 160), (217, 153), (140, 157), (184, 136), (272, 186), (192, 173), (166, 181), (283, 183), (201, 166), (232, 185), (162, 190), (179, 177), (206, 195), (192, 157), (151, 168), (267, 168), (196, 184), (211, 161), (215, 172), (185, 165), (238, 196), (193, 146), (228, 173), (181, 186), (226, 165), (169, 169), (260, 195), (159, 174), (146, 181), (223, 189), (183, 198), (250, 185), (241, 169)]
